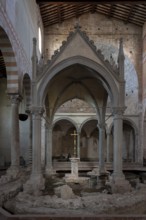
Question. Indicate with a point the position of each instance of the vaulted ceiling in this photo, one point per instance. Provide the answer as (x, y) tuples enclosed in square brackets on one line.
[(56, 12)]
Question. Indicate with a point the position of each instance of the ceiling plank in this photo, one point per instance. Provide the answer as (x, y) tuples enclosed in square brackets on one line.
[(111, 12), (57, 12), (92, 1)]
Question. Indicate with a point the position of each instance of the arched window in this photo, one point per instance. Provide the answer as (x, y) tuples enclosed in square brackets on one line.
[(40, 39)]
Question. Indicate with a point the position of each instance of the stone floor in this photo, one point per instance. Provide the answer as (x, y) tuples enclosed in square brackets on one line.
[(88, 203)]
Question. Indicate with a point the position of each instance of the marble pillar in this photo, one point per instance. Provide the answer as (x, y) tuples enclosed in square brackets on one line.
[(119, 183), (49, 167), (30, 138), (36, 141), (78, 145), (15, 144), (108, 148), (102, 168), (36, 182), (118, 141)]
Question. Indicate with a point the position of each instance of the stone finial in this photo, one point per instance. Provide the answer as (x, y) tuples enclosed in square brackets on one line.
[(77, 26), (34, 59), (34, 41), (34, 53)]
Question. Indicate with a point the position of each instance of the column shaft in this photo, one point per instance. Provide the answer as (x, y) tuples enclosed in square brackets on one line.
[(78, 145), (36, 141), (48, 149), (15, 144), (30, 139), (118, 141), (101, 149), (108, 148)]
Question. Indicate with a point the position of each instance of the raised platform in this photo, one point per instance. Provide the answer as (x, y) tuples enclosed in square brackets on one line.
[(87, 166), (4, 215)]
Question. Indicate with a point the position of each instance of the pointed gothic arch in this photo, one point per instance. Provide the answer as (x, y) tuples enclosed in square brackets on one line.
[(98, 72)]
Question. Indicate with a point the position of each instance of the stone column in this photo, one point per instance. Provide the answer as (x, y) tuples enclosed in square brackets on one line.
[(30, 138), (15, 144), (119, 183), (49, 167), (108, 148), (36, 141), (78, 145), (36, 182), (102, 169), (118, 142)]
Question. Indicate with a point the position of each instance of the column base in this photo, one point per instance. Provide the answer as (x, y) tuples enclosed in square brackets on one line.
[(34, 185), (13, 171), (119, 184), (12, 174), (102, 179), (103, 171), (49, 171)]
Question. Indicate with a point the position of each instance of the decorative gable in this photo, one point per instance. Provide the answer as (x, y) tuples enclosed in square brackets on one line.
[(79, 44)]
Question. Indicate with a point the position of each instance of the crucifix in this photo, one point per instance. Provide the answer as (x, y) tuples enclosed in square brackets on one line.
[(75, 142)]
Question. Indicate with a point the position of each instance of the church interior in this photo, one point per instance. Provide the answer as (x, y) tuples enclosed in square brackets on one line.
[(73, 107)]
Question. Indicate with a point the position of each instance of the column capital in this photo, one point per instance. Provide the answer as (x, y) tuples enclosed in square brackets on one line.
[(48, 126), (118, 110), (37, 110), (15, 98), (108, 133), (101, 125)]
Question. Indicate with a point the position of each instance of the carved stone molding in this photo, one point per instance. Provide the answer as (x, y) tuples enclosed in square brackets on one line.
[(37, 111), (118, 110), (102, 126), (112, 67), (15, 98)]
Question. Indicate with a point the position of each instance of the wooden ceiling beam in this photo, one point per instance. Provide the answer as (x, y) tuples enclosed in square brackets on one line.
[(130, 14), (93, 8), (59, 13), (91, 2), (111, 12)]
